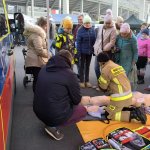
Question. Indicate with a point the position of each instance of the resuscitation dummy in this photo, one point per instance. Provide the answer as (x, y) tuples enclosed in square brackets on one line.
[(137, 99)]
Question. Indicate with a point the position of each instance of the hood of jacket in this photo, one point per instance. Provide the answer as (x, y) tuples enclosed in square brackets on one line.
[(34, 29), (57, 63)]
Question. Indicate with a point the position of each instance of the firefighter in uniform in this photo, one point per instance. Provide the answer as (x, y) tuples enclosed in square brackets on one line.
[(65, 40), (114, 80)]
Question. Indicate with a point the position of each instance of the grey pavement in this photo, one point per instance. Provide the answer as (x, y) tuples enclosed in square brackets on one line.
[(27, 131)]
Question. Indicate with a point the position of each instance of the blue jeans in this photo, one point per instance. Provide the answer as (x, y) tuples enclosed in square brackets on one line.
[(97, 68)]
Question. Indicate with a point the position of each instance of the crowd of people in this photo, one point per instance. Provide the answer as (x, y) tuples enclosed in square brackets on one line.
[(117, 50)]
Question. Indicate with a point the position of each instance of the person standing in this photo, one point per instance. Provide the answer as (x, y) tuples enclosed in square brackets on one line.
[(114, 80), (105, 40), (37, 53), (80, 23), (127, 44), (65, 39), (85, 40), (143, 54), (143, 26)]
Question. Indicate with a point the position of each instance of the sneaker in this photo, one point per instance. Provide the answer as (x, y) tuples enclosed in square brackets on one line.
[(88, 84), (54, 132), (139, 114), (82, 85)]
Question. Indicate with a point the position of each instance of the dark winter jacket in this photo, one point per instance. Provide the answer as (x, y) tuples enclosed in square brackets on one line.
[(57, 91), (85, 40)]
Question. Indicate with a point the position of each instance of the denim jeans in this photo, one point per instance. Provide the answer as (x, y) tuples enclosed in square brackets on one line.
[(97, 68)]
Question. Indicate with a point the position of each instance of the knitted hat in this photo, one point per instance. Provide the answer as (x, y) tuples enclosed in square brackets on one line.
[(119, 19), (146, 31), (102, 57), (109, 12), (125, 28), (87, 19), (67, 23)]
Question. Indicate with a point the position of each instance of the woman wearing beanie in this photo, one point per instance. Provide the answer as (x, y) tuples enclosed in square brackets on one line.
[(144, 54), (85, 40), (127, 44)]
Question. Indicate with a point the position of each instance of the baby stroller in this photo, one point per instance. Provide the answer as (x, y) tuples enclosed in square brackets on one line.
[(28, 74)]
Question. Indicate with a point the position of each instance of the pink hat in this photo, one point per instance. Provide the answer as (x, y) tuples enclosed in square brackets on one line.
[(108, 17), (125, 28), (109, 12)]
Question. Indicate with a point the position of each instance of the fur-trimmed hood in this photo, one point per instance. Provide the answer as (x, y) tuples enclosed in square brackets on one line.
[(31, 28)]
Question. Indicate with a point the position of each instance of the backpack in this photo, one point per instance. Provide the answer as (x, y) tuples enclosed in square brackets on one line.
[(96, 144), (126, 139)]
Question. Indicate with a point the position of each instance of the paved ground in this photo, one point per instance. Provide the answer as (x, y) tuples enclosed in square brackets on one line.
[(27, 130)]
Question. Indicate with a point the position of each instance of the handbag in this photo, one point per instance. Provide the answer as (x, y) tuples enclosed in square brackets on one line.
[(132, 76), (109, 53)]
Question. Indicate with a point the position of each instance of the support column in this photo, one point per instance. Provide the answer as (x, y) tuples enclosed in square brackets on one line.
[(48, 9), (115, 8), (81, 7), (32, 8), (59, 6), (142, 10), (26, 10), (99, 11), (148, 14), (65, 6)]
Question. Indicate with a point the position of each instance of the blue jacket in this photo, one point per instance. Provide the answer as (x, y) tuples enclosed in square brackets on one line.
[(128, 52), (85, 40)]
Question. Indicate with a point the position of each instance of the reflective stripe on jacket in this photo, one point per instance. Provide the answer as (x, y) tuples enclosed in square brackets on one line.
[(114, 79)]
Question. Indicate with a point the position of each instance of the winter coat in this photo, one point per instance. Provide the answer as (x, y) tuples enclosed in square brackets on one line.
[(109, 39), (144, 47), (128, 51), (85, 40), (37, 53), (57, 91)]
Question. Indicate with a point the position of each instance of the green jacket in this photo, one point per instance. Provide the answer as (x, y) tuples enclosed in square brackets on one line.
[(128, 52)]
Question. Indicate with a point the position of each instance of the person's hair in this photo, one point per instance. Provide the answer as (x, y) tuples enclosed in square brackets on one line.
[(66, 54), (103, 57), (80, 15), (42, 21), (144, 24)]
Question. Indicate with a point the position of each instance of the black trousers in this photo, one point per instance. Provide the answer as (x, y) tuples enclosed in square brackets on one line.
[(141, 63), (35, 71), (141, 67), (85, 67)]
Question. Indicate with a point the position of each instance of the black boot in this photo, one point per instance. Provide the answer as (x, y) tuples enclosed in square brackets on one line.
[(139, 114)]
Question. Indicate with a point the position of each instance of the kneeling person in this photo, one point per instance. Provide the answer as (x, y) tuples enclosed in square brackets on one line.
[(57, 95), (114, 80)]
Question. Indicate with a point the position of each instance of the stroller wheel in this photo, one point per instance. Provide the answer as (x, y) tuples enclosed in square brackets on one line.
[(25, 81)]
